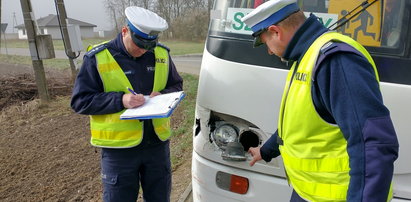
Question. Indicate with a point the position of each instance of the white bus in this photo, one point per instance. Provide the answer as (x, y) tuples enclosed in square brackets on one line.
[(240, 89)]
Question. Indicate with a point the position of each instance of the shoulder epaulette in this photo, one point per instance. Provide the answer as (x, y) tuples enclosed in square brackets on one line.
[(330, 48), (333, 47), (327, 46), (164, 46), (96, 50)]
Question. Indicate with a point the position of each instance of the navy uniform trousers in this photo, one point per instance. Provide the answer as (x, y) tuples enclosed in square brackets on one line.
[(148, 164), (296, 198)]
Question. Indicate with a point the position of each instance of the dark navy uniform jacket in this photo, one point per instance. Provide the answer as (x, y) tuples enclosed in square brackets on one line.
[(345, 92), (88, 94)]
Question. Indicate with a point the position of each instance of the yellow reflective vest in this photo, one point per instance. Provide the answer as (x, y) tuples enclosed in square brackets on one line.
[(108, 130), (314, 151)]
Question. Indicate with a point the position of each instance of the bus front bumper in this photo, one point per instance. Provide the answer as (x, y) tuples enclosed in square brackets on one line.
[(261, 188)]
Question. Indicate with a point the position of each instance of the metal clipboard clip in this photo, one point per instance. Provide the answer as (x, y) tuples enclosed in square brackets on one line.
[(174, 103)]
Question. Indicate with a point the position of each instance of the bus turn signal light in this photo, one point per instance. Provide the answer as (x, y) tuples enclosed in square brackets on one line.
[(239, 184), (233, 183)]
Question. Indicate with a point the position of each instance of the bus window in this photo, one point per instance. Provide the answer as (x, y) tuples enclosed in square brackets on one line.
[(229, 16), (364, 26), (391, 28), (315, 5), (379, 26), (246, 3), (230, 39)]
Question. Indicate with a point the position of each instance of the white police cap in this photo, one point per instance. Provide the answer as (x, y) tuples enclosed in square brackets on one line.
[(269, 13), (144, 22)]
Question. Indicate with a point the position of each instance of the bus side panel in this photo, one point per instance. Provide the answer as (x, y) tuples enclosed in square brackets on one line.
[(252, 93), (397, 98)]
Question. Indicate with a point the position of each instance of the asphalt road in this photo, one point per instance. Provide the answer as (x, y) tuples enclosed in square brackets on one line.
[(185, 63)]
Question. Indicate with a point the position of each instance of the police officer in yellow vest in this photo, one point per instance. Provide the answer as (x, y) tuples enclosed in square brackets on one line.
[(134, 152), (334, 133)]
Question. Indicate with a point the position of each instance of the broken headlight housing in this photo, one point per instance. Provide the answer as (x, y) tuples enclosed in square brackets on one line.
[(224, 134)]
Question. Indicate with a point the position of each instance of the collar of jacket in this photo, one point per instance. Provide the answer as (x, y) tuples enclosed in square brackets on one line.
[(303, 38), (118, 46)]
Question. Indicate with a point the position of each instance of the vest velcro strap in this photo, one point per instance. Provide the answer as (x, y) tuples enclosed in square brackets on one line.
[(280, 141), (316, 165)]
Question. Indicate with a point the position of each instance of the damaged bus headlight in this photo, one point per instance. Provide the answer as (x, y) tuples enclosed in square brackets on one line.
[(226, 138), (224, 134)]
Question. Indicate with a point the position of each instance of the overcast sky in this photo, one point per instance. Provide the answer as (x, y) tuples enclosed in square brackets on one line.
[(91, 11)]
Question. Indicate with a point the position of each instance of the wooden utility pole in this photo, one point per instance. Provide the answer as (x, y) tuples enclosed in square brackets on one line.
[(0, 21), (66, 39), (37, 62)]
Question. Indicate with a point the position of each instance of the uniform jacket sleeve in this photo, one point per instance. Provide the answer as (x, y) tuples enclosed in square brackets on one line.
[(270, 148), (88, 95), (345, 92)]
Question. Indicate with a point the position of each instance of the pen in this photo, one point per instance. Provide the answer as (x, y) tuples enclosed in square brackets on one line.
[(131, 91)]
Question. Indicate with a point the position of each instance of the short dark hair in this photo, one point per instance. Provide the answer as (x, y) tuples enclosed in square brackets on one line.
[(295, 20)]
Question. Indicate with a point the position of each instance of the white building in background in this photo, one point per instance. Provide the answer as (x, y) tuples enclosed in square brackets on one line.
[(106, 34), (50, 25)]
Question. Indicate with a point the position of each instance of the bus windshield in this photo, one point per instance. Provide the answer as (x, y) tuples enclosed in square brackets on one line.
[(378, 26)]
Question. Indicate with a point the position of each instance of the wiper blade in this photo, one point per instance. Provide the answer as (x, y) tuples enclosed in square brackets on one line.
[(364, 5)]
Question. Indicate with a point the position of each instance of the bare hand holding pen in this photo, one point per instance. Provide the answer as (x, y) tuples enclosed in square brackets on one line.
[(133, 100)]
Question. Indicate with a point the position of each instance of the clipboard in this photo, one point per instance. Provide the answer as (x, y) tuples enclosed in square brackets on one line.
[(160, 106)]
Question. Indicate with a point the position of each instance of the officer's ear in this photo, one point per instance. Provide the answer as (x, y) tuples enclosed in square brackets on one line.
[(281, 33), (124, 31), (274, 30)]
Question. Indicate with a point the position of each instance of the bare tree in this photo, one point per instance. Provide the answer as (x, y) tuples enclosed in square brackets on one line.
[(164, 9), (115, 8), (175, 12), (111, 11), (0, 21), (209, 6), (147, 4)]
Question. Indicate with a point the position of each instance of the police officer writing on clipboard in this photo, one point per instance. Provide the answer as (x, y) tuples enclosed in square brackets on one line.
[(133, 152), (335, 135)]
